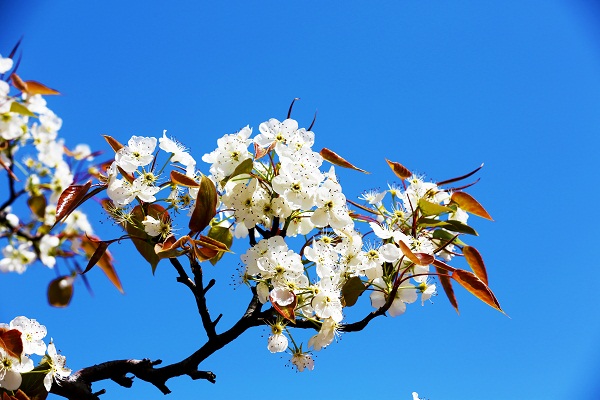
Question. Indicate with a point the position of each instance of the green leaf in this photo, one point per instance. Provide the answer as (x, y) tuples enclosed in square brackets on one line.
[(37, 205), (429, 208), (21, 109), (444, 235), (352, 290), (245, 167), (33, 382), (223, 235), (143, 243), (457, 226), (431, 222)]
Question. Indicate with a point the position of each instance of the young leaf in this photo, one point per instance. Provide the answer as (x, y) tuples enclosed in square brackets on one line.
[(429, 208), (245, 167), (139, 237), (460, 178), (113, 143), (477, 288), (31, 87), (18, 82), (60, 291), (70, 199), (32, 384), (470, 205), (223, 235), (400, 170), (417, 258), (183, 180), (100, 249), (352, 290), (34, 88), (475, 262), (206, 206), (37, 205), (11, 342), (21, 109), (98, 254), (286, 312), (457, 226), (336, 159), (259, 152), (447, 286), (445, 236)]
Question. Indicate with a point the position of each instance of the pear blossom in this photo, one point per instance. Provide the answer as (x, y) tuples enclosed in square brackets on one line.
[(57, 366), (178, 151), (137, 153), (277, 342), (328, 332), (16, 259), (5, 64), (302, 361), (275, 132), (11, 369), (406, 293), (232, 151), (32, 334)]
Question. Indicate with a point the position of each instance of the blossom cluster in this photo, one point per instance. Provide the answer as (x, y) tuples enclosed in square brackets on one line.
[(273, 190), (19, 340), (33, 154)]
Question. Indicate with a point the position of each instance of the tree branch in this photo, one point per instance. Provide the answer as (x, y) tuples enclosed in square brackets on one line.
[(79, 385), (199, 292)]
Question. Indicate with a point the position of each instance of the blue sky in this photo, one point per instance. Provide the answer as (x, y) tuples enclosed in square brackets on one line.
[(438, 86)]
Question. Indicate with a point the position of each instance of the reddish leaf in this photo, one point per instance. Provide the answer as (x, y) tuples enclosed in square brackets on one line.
[(417, 258), (400, 170), (336, 159), (211, 243), (204, 253), (60, 291), (70, 199), (477, 287), (11, 342), (286, 312), (113, 143), (34, 88), (99, 249), (18, 83), (475, 262), (259, 152), (171, 247), (470, 205), (31, 87), (183, 180), (443, 266), (206, 206), (460, 178), (447, 285), (94, 247)]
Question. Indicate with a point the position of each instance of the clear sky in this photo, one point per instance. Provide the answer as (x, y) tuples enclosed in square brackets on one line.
[(438, 86)]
